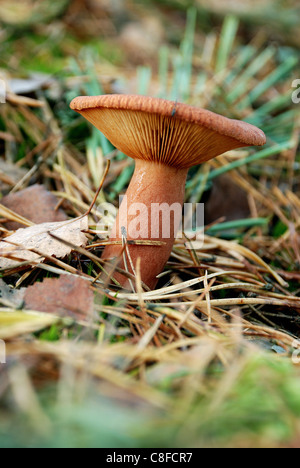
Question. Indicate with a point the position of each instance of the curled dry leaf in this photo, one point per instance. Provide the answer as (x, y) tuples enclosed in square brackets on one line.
[(34, 203), (24, 244)]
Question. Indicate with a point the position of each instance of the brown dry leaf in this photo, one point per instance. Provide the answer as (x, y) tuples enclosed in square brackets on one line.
[(67, 295), (234, 205), (20, 244), (34, 203)]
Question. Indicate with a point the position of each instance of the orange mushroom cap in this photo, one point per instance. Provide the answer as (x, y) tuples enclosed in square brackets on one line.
[(163, 131)]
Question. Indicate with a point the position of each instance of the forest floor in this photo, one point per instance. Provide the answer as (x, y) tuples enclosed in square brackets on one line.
[(211, 357)]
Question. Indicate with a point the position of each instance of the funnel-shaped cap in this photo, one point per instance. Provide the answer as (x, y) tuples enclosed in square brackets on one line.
[(163, 131)]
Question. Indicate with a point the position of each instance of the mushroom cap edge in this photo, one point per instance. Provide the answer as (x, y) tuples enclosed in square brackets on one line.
[(246, 133)]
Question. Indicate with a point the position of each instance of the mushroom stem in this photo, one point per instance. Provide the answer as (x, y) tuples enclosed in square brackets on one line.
[(150, 210)]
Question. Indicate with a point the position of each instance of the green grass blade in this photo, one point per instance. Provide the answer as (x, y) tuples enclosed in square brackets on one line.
[(228, 34), (121, 182), (163, 71), (265, 153), (267, 109), (144, 79), (238, 224), (183, 61), (245, 54), (187, 51), (242, 83), (273, 78)]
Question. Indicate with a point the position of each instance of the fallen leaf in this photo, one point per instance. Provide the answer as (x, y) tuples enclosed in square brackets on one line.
[(20, 244), (34, 203), (226, 199), (11, 297), (67, 295)]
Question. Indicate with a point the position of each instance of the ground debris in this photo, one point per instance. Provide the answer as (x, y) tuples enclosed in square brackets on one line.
[(11, 297), (10, 173), (34, 243), (67, 295), (34, 203)]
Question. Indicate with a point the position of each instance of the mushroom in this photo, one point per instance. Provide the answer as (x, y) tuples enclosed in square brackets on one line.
[(165, 139)]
